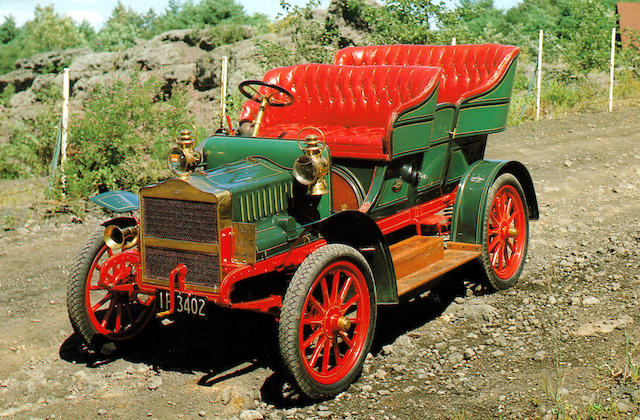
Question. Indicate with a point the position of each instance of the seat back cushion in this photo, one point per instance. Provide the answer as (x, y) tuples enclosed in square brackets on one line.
[(467, 70), (344, 101)]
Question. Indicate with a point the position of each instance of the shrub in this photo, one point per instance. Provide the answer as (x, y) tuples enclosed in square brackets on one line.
[(121, 140)]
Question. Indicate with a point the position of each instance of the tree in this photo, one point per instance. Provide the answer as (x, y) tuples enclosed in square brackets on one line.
[(50, 31), (122, 29), (8, 30)]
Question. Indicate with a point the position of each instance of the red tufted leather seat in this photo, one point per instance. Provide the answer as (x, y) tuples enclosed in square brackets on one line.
[(467, 70), (354, 106)]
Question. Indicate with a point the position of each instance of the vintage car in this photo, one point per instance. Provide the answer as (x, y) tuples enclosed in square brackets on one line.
[(346, 186)]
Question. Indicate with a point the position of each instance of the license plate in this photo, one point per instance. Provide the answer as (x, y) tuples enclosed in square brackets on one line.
[(188, 304)]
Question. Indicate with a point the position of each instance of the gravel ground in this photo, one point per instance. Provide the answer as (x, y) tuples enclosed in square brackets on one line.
[(563, 343)]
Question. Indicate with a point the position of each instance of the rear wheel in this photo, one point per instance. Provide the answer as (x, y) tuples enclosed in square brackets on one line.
[(328, 320), (102, 299), (505, 234)]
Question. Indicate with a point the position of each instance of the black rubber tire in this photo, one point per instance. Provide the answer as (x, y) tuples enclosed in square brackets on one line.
[(497, 282), (292, 307), (76, 303)]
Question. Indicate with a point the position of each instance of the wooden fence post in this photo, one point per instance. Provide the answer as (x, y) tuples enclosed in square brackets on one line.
[(539, 75)]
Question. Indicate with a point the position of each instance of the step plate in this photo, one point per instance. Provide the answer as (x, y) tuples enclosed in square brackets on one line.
[(453, 258)]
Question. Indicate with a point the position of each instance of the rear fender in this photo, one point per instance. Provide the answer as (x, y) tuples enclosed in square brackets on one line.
[(469, 208), (359, 231)]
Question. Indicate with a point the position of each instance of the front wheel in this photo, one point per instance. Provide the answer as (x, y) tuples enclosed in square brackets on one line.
[(505, 235), (102, 299), (328, 320)]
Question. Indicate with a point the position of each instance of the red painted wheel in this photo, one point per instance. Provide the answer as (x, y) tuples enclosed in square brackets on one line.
[(328, 319), (506, 232), (101, 298)]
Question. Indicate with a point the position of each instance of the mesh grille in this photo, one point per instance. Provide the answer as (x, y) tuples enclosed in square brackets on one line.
[(181, 220), (202, 269)]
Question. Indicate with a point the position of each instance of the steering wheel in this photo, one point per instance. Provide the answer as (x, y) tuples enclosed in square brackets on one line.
[(278, 96)]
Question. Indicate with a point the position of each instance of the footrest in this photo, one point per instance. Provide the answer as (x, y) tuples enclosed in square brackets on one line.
[(416, 251), (421, 274)]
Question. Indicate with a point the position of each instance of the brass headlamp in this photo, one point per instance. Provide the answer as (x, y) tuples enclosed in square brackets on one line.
[(182, 158), (311, 168)]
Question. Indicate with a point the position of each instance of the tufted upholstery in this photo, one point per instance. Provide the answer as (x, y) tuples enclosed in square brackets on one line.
[(467, 70), (352, 105)]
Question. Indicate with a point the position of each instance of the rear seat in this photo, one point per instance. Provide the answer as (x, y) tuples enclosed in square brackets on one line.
[(467, 70), (354, 106)]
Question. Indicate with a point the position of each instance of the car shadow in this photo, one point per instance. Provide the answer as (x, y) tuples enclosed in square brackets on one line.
[(231, 343)]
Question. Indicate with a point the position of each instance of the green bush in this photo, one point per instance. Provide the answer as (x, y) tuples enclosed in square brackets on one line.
[(121, 140), (30, 144)]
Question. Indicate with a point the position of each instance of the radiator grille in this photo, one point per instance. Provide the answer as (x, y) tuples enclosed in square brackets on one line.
[(181, 220), (202, 269)]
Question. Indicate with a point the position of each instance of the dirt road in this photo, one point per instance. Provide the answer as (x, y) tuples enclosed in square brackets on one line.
[(564, 342)]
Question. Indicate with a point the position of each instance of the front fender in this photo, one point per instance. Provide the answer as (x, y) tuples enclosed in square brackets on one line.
[(469, 208), (360, 231), (118, 201)]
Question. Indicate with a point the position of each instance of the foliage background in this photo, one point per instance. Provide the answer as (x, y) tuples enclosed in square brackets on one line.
[(124, 130)]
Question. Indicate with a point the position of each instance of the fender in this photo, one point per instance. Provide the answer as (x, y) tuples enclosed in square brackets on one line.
[(121, 222), (360, 231), (118, 201), (469, 207)]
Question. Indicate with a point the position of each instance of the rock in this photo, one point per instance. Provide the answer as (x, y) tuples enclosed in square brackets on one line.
[(380, 374), (325, 413), (51, 61), (20, 79), (590, 300), (102, 412), (101, 62), (388, 349), (469, 353), (383, 392), (552, 300), (497, 353), (251, 415), (226, 395), (455, 358), (403, 341), (603, 326), (366, 388), (624, 406), (202, 413), (474, 311), (154, 382), (539, 355)]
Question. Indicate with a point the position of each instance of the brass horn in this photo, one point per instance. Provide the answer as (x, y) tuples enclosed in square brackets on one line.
[(117, 238)]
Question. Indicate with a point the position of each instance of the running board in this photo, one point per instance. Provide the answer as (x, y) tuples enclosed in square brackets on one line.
[(421, 259)]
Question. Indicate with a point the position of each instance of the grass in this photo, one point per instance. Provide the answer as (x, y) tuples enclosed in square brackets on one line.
[(564, 94)]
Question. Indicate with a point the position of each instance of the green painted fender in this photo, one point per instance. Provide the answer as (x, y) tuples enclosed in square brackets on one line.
[(360, 231), (118, 201), (469, 208)]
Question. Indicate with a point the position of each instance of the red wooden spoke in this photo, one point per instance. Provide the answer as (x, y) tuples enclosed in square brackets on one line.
[(107, 316), (326, 354), (316, 304), (346, 339), (317, 351), (96, 288), (350, 303), (325, 293), (312, 321), (102, 301), (336, 350), (317, 333), (118, 318), (495, 241), (334, 287), (345, 289)]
